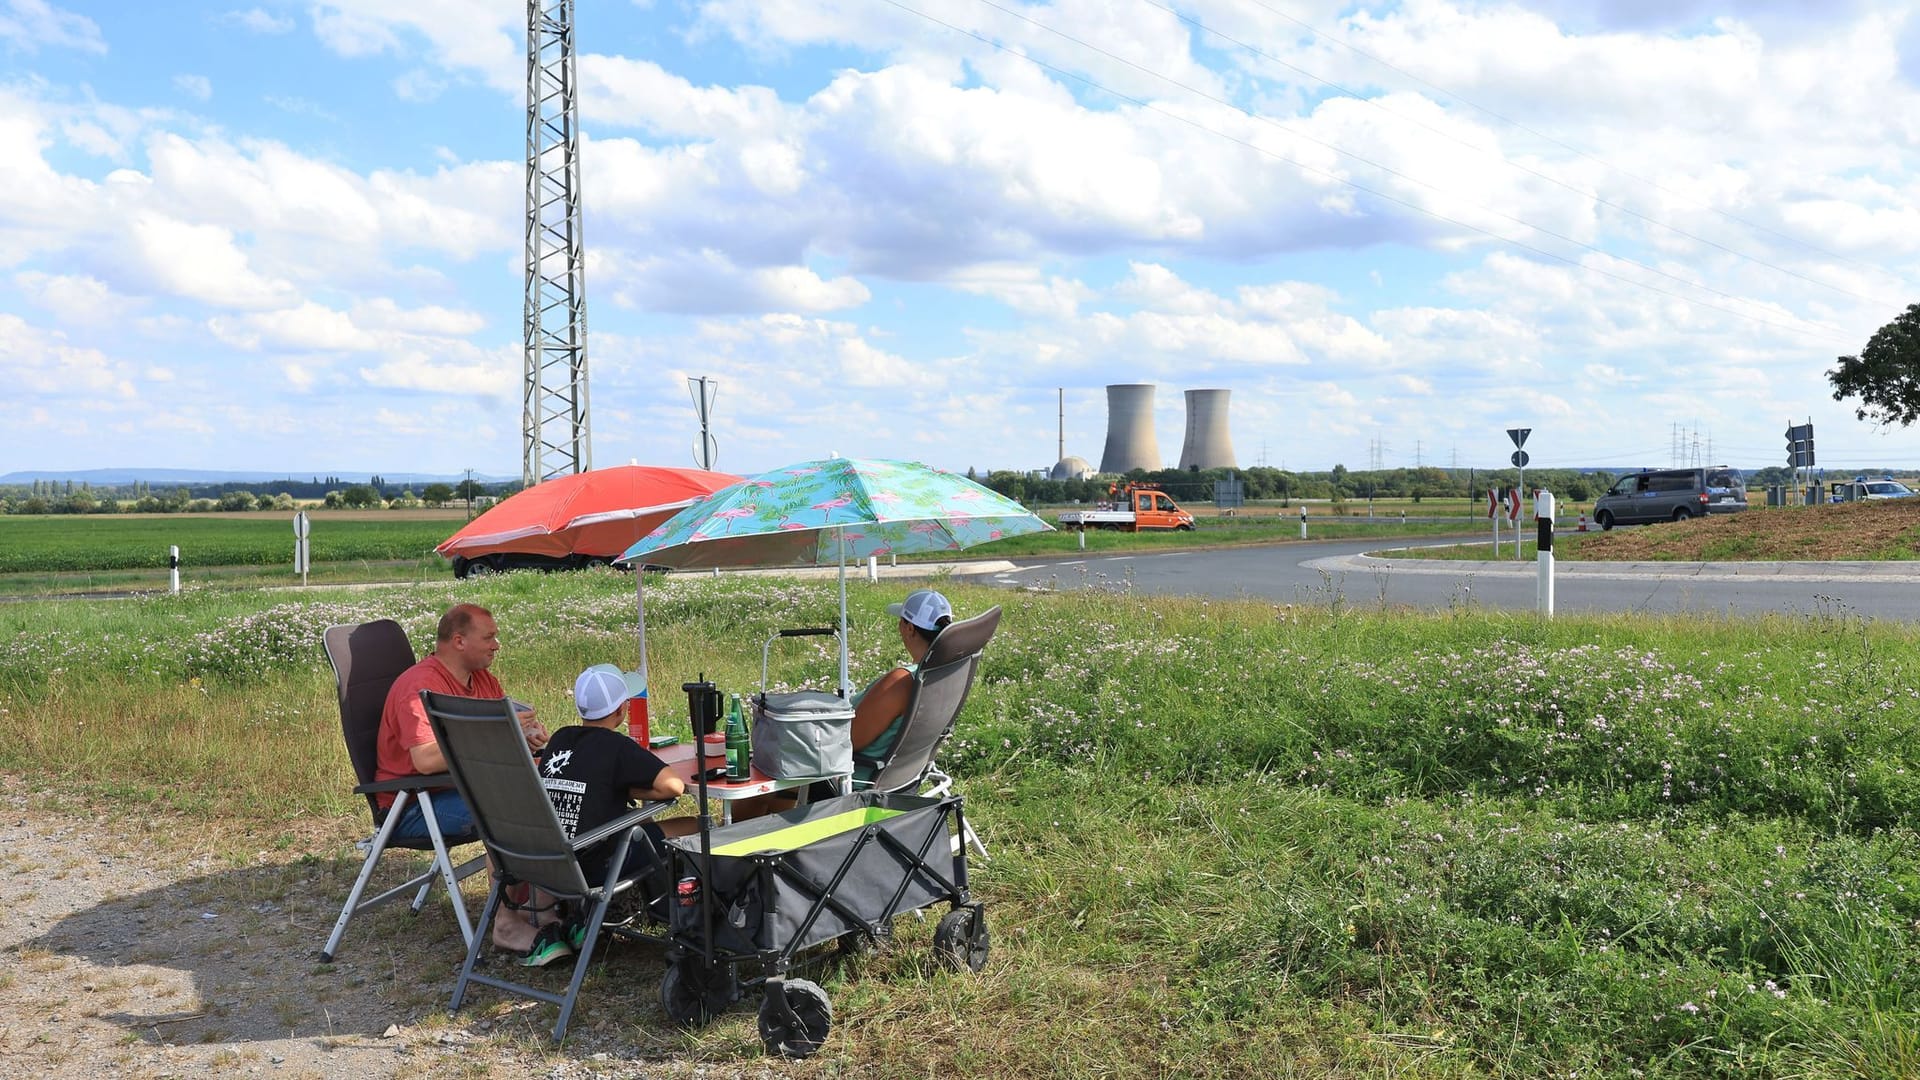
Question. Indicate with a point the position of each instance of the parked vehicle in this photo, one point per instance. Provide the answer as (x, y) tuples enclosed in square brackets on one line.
[(1860, 488), (1134, 507), (1671, 495)]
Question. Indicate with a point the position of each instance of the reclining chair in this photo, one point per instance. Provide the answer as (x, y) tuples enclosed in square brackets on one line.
[(490, 763), (940, 687), (366, 660)]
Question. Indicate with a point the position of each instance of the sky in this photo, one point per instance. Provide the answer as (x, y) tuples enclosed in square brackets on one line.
[(288, 236)]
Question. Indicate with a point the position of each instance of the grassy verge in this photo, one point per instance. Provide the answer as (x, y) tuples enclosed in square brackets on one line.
[(1229, 839)]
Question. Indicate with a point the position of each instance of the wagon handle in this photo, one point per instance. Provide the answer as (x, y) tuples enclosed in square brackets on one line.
[(767, 649)]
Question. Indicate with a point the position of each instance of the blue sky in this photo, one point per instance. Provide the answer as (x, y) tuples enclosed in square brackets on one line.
[(286, 236)]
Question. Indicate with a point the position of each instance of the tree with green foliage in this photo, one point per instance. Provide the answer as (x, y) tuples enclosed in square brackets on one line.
[(1886, 374), (360, 496), (437, 494)]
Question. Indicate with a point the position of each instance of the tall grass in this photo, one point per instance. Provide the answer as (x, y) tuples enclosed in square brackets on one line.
[(1229, 839)]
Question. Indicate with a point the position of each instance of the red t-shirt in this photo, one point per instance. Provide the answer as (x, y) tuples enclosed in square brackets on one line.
[(403, 723)]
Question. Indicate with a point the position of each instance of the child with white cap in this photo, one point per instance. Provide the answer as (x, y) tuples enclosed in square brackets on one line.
[(594, 773)]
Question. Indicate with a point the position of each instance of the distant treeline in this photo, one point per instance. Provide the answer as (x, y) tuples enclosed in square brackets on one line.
[(68, 497), (1338, 484)]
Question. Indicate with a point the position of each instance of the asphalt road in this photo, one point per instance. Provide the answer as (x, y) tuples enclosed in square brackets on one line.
[(1321, 573)]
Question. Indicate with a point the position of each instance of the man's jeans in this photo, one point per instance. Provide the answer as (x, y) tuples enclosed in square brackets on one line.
[(449, 811)]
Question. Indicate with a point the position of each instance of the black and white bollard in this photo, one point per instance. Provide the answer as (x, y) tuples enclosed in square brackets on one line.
[(1303, 521), (173, 570), (1543, 519)]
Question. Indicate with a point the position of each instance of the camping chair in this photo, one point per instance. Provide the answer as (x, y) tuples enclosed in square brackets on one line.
[(366, 659), (940, 687), (488, 757)]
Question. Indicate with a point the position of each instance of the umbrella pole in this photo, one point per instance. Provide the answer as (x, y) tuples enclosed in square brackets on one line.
[(846, 688), (640, 618)]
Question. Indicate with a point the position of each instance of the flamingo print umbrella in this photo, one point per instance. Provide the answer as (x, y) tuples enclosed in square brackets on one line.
[(820, 513)]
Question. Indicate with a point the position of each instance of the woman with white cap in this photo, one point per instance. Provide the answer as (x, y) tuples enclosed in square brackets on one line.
[(880, 710)]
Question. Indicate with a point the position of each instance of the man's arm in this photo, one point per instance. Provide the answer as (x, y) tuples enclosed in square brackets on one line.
[(427, 758)]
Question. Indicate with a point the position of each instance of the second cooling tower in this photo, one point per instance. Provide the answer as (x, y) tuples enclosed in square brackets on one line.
[(1208, 444), (1130, 441)]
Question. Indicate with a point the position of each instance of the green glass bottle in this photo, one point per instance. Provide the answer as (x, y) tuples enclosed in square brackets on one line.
[(739, 761)]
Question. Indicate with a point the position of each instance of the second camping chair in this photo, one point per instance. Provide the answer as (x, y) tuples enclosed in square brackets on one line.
[(488, 757)]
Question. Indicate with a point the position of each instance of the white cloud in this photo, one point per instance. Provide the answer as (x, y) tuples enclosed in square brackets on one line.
[(202, 262), (74, 299), (44, 363), (197, 87), (29, 24), (259, 21)]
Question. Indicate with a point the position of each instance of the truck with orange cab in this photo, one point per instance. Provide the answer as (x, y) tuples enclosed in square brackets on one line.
[(1132, 507)]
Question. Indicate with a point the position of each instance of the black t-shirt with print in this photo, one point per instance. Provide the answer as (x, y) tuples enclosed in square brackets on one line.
[(589, 774)]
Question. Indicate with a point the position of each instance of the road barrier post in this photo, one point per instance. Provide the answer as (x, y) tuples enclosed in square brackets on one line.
[(1303, 521), (1543, 519), (173, 570)]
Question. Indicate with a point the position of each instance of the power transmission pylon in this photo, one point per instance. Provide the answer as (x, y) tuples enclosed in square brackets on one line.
[(556, 438)]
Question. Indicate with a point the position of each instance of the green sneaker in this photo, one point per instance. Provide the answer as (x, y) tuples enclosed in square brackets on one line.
[(576, 933), (550, 945)]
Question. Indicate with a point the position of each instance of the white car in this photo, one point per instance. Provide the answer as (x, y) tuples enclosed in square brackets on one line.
[(1885, 489)]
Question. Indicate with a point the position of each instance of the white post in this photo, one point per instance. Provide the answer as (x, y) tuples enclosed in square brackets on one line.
[(1303, 521), (173, 570), (1082, 530), (1543, 517), (873, 568), (1493, 511)]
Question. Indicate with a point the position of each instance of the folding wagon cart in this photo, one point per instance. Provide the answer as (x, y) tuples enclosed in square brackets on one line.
[(752, 896)]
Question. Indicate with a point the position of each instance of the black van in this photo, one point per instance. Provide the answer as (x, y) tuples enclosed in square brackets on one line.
[(1671, 495)]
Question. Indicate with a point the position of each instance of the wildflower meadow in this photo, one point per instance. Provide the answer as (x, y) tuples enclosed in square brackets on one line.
[(1227, 838)]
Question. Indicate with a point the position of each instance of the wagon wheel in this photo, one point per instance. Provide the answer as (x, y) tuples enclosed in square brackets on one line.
[(689, 994), (794, 1017), (960, 941)]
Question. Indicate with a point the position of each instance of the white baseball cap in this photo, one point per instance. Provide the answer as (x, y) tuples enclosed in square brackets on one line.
[(923, 608), (601, 689)]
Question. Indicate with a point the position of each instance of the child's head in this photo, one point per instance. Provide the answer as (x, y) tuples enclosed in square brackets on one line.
[(601, 690)]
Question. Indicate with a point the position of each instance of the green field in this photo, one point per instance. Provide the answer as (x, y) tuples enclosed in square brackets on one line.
[(63, 543), (62, 554), (1228, 839)]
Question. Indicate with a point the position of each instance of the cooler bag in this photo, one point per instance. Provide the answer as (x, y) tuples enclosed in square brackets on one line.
[(804, 733)]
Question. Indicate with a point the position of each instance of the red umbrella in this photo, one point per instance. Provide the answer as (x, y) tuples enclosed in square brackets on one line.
[(601, 512)]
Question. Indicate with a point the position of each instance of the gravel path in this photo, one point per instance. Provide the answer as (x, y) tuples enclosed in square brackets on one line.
[(148, 951)]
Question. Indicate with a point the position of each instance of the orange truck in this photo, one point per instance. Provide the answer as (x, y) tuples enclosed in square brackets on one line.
[(1133, 507)]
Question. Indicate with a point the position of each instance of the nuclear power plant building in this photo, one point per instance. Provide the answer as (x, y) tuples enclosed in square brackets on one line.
[(1130, 440), (1208, 444)]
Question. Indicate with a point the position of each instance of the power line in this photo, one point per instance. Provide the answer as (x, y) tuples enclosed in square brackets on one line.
[(1510, 163), (1376, 193), (1570, 148)]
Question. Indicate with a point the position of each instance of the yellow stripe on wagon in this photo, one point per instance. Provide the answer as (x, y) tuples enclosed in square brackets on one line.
[(807, 832)]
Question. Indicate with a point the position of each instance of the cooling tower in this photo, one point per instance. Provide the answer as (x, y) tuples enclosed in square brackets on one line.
[(1130, 441), (1208, 445)]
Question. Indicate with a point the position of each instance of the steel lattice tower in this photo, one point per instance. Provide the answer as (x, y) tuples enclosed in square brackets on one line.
[(555, 436)]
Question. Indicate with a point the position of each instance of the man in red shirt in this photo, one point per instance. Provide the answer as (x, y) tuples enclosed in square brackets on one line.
[(463, 649)]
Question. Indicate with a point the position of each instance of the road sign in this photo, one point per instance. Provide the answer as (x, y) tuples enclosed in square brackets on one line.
[(1519, 459), (1519, 436), (1513, 505), (1493, 500), (300, 527), (1800, 445), (706, 450)]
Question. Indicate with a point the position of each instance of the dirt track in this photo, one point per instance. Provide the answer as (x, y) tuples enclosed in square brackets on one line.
[(138, 951)]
